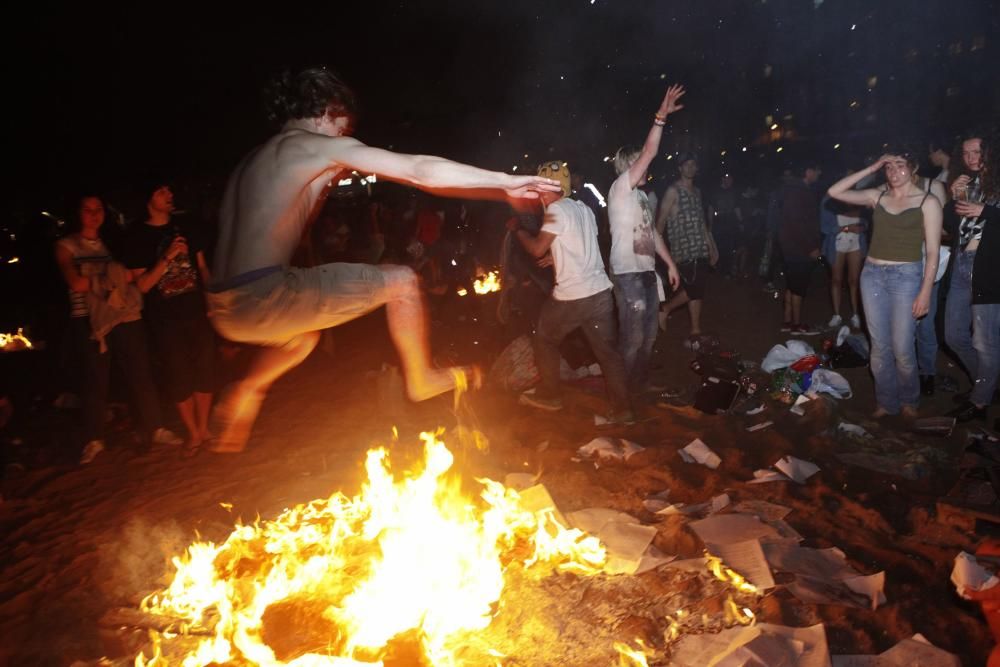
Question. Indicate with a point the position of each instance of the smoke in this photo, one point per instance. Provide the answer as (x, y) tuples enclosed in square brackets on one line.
[(139, 561)]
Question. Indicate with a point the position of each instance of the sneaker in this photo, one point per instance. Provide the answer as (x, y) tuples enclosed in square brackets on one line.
[(855, 321), (90, 451), (804, 330), (835, 321), (927, 385), (786, 327), (536, 401), (164, 436), (967, 412)]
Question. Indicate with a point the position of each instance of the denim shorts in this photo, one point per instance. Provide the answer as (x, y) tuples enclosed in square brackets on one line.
[(274, 309)]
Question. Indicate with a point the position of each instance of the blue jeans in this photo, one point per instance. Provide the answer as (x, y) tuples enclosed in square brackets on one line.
[(887, 293), (927, 342), (958, 312), (638, 303), (986, 341)]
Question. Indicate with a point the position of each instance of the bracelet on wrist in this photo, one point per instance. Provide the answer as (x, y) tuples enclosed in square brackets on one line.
[(658, 122)]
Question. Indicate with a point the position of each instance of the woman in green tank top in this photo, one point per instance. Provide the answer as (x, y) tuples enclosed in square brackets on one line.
[(896, 282)]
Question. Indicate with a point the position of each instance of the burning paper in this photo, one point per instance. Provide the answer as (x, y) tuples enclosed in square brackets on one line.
[(411, 558), (15, 341), (488, 283)]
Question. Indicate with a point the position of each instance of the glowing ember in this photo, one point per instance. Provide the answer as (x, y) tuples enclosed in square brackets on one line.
[(632, 657), (410, 563), (15, 341), (488, 283), (462, 291)]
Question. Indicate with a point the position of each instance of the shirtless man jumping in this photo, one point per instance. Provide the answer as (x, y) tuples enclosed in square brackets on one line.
[(256, 297)]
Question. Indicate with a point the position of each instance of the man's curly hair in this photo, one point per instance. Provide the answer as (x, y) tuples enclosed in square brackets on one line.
[(310, 93)]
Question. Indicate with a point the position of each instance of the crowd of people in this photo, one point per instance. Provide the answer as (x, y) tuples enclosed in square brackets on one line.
[(159, 299)]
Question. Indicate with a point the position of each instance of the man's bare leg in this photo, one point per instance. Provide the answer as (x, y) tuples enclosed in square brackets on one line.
[(407, 318), (202, 409), (186, 409), (237, 410), (678, 300), (694, 310)]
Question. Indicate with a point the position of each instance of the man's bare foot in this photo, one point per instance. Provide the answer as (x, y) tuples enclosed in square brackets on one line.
[(909, 412), (191, 446), (233, 418), (438, 381), (879, 413)]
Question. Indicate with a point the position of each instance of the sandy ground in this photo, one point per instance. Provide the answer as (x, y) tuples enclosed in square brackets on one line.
[(79, 541)]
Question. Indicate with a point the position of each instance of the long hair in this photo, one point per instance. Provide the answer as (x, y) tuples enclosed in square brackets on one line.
[(956, 167), (989, 177), (310, 93)]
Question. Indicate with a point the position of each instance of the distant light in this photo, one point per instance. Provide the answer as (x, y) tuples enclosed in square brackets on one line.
[(597, 193), (13, 260), (853, 104), (780, 148), (723, 153), (561, 77), (514, 168), (454, 263), (836, 146), (744, 149), (663, 76), (670, 157), (872, 81), (606, 158), (774, 126), (525, 156), (853, 26)]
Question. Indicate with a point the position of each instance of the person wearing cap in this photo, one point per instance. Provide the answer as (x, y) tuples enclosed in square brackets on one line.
[(258, 298), (581, 298), (634, 248), (682, 223), (167, 261)]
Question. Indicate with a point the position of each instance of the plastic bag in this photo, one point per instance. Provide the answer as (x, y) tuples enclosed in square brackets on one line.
[(829, 382), (783, 356)]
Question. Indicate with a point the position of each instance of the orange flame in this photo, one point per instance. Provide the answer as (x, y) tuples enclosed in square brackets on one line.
[(488, 283), (411, 556), (632, 657), (15, 340)]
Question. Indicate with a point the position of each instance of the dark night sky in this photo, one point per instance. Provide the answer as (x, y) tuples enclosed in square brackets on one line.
[(112, 93)]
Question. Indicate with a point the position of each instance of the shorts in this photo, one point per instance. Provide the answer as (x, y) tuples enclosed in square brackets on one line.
[(848, 242), (184, 351), (797, 274), (693, 277), (290, 301)]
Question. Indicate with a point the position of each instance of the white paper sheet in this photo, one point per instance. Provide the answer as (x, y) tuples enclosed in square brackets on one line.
[(698, 452), (969, 575), (760, 427), (613, 449), (763, 509), (797, 469), (747, 559), (731, 528), (762, 476)]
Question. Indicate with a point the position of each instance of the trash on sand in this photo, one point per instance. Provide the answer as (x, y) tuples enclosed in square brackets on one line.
[(829, 382), (716, 504), (746, 559), (725, 529), (628, 542), (907, 653), (969, 575), (520, 480), (783, 356), (762, 476), (698, 452), (609, 449), (797, 408), (763, 509), (760, 644), (796, 468), (853, 429), (760, 427), (942, 426)]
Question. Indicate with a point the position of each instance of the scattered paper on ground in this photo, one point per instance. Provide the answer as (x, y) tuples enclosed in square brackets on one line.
[(969, 575), (698, 452), (747, 559), (797, 469), (732, 528)]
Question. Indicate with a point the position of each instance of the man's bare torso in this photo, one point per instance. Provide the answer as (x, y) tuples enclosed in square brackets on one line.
[(269, 199)]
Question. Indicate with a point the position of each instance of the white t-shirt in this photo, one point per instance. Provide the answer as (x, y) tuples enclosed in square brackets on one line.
[(579, 268), (633, 248)]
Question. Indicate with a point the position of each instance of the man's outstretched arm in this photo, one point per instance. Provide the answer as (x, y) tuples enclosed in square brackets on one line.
[(652, 144), (425, 171)]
